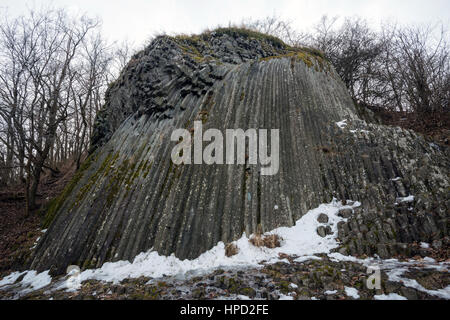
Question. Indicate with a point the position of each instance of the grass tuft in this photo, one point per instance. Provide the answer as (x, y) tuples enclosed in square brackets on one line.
[(231, 250)]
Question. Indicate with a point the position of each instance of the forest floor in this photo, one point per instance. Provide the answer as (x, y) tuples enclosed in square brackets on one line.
[(20, 231)]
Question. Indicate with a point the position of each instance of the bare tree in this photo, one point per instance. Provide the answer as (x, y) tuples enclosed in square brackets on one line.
[(421, 64), (277, 27), (38, 53), (353, 49)]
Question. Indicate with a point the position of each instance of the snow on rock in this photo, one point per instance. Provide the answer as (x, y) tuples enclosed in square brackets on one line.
[(396, 275), (342, 124), (396, 269), (405, 199)]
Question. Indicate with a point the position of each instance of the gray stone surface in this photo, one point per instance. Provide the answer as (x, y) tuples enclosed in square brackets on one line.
[(129, 197), (323, 218)]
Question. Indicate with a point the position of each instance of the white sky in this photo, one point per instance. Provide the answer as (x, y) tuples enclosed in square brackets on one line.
[(137, 20)]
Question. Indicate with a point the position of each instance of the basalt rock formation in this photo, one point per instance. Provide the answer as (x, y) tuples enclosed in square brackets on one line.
[(129, 197)]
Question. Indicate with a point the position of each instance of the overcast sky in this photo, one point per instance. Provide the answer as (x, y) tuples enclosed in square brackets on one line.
[(136, 20)]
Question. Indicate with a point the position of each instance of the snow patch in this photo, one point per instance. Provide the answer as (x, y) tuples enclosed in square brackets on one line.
[(306, 258), (31, 281), (391, 296), (362, 131), (329, 292), (293, 286), (424, 245), (405, 199), (396, 275), (396, 269), (300, 240), (352, 292), (342, 124)]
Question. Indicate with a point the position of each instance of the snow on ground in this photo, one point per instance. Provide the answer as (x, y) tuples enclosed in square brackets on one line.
[(31, 280), (285, 297), (396, 269), (300, 240), (391, 296), (397, 273), (352, 292), (10, 279), (306, 258)]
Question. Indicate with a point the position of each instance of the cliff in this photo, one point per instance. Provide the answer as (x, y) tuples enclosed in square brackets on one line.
[(129, 197)]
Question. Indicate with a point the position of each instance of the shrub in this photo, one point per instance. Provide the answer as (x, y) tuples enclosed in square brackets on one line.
[(231, 250), (270, 241)]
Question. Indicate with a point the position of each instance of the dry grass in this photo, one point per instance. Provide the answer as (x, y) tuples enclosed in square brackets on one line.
[(231, 250), (257, 240), (271, 241)]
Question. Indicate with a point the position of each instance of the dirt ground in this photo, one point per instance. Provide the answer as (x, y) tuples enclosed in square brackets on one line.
[(19, 230)]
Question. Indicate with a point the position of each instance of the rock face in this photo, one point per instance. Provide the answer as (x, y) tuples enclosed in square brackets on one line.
[(129, 197)]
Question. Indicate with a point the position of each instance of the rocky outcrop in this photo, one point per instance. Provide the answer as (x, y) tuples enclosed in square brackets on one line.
[(129, 197)]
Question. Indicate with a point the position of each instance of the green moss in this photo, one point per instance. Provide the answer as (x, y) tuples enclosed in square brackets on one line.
[(57, 203), (104, 169), (193, 41), (203, 116), (233, 285), (146, 169), (116, 181), (249, 292), (300, 54), (284, 287), (89, 264)]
